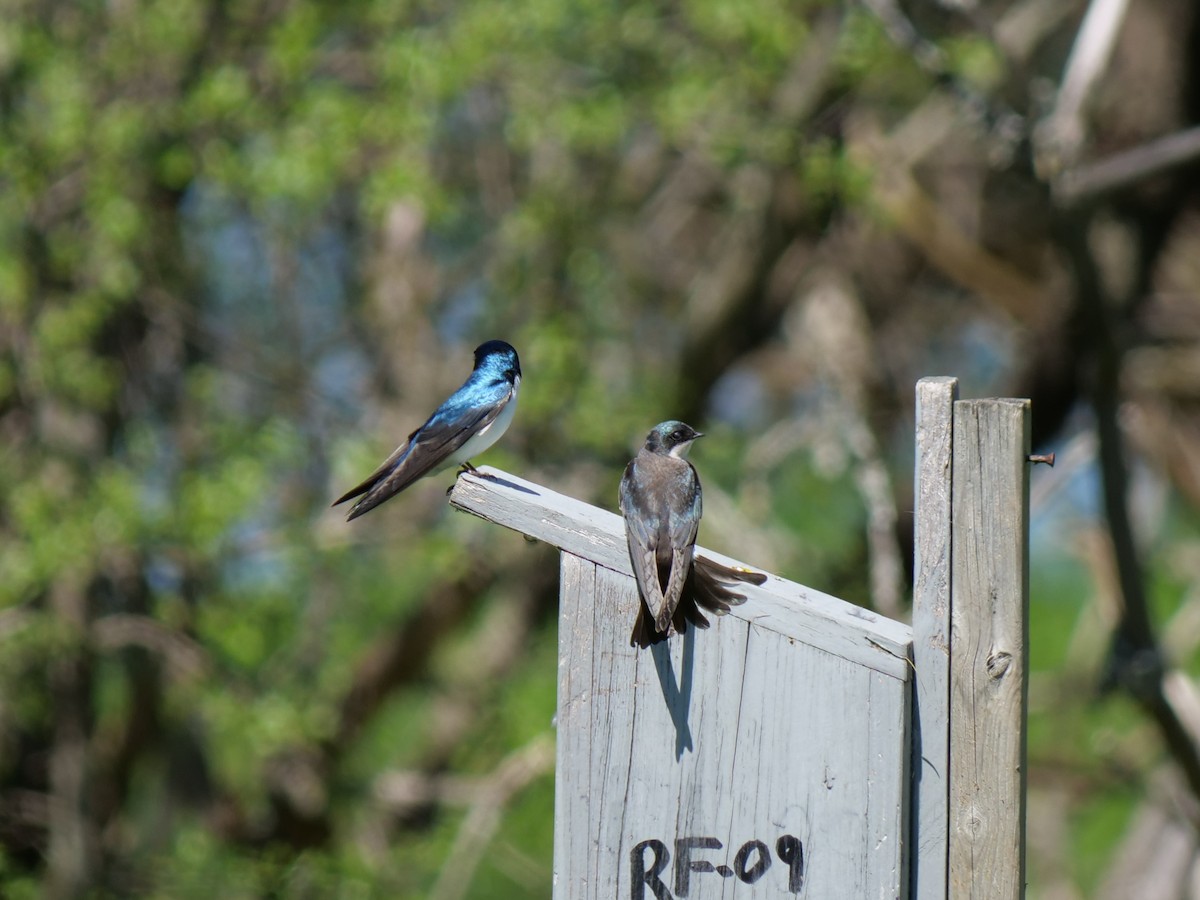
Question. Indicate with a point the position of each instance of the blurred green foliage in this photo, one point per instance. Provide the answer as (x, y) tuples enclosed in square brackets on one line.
[(186, 380)]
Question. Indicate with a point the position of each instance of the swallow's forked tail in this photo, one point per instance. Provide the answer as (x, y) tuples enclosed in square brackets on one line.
[(708, 587)]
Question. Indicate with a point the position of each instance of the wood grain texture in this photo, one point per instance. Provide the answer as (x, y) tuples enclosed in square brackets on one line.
[(989, 640), (931, 634), (733, 734), (784, 607)]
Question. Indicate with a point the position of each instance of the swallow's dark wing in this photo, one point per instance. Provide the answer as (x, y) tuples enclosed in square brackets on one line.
[(684, 521), (641, 534), (424, 450), (379, 473)]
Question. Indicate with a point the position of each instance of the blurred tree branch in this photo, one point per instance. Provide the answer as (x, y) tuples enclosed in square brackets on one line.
[(1136, 662), (515, 771), (1122, 170), (72, 848)]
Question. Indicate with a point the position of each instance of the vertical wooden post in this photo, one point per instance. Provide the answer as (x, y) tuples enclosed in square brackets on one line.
[(989, 637), (931, 635)]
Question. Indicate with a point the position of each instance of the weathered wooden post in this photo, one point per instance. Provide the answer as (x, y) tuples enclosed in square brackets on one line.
[(989, 618), (769, 756), (970, 638), (931, 634)]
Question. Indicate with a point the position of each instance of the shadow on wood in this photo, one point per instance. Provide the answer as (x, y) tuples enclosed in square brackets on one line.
[(678, 696)]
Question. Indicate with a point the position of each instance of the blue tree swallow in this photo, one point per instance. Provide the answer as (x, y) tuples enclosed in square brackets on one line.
[(474, 418), (661, 503)]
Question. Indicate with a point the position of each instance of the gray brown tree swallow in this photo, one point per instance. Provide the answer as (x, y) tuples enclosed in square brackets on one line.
[(661, 503)]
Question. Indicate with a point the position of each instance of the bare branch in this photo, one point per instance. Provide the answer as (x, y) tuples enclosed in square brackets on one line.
[(1129, 167), (1136, 661), (517, 770), (837, 329), (1060, 136), (183, 657), (72, 850)]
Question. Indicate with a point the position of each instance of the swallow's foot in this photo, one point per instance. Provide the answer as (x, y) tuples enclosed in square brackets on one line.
[(462, 469)]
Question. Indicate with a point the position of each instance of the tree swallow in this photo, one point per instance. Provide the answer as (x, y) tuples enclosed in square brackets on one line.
[(474, 418), (660, 499)]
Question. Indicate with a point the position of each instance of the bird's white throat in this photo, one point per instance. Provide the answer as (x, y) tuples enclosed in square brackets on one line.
[(680, 451)]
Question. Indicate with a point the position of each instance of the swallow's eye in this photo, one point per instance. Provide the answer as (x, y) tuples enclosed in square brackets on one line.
[(677, 435)]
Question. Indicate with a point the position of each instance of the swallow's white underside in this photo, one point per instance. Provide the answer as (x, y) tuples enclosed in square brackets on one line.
[(488, 435)]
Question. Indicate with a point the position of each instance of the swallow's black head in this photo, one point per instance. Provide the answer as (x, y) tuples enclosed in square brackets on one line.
[(499, 357), (671, 438)]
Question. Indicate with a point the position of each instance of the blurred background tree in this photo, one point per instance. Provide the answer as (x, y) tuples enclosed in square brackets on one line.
[(246, 247)]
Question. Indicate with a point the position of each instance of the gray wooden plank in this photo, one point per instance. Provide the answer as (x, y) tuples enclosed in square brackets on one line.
[(798, 612), (573, 790), (731, 735), (891, 855), (989, 639), (931, 633)]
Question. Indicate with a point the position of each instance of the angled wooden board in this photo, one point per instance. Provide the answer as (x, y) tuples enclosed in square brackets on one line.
[(792, 609), (767, 756)]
